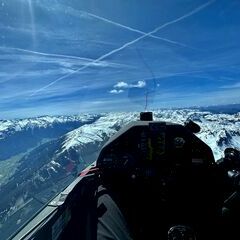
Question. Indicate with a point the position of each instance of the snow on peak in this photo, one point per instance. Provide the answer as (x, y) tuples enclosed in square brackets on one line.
[(217, 130), (98, 131), (9, 127)]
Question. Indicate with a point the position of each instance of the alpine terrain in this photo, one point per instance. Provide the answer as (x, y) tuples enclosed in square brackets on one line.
[(40, 156)]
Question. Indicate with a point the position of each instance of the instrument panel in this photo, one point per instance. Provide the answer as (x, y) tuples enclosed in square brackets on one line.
[(156, 145)]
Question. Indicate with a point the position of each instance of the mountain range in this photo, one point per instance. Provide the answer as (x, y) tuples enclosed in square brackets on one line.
[(40, 156)]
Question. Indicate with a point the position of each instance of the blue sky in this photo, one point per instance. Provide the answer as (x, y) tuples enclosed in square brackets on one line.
[(70, 56)]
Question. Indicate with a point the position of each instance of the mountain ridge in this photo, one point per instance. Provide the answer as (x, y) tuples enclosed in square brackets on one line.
[(51, 163)]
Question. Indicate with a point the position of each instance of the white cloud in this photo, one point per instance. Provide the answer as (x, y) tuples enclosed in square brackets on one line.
[(124, 85), (140, 84), (121, 85), (115, 91)]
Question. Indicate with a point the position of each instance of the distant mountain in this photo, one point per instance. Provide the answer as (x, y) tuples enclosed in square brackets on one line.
[(17, 136), (228, 109), (41, 156)]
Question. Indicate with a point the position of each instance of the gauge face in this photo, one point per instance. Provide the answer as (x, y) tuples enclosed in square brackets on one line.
[(181, 232)]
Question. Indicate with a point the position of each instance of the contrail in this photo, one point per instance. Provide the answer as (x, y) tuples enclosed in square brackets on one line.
[(47, 54), (137, 31), (57, 55), (127, 44)]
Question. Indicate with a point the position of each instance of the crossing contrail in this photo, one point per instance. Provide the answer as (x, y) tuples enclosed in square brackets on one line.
[(138, 31), (196, 10)]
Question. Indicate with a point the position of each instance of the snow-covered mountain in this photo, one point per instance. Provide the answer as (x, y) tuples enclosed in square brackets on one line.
[(16, 136), (219, 131), (77, 139), (40, 156), (9, 127)]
